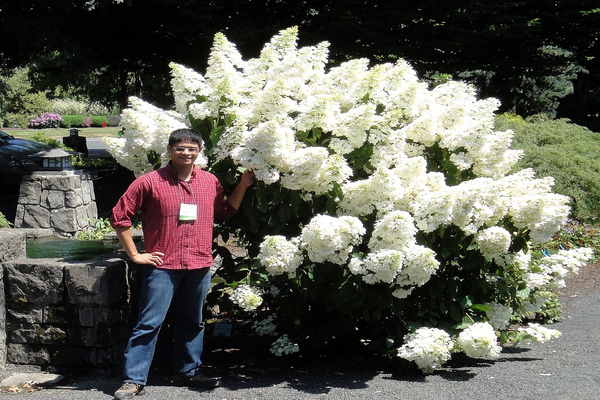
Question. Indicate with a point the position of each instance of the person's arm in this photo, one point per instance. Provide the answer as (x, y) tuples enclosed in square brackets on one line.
[(126, 240), (235, 198)]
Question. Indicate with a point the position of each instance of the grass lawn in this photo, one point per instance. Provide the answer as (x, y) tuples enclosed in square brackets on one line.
[(60, 132)]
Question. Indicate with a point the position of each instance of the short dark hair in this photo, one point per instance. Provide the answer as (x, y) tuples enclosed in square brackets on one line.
[(185, 135)]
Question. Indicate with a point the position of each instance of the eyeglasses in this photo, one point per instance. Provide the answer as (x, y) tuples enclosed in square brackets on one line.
[(192, 150)]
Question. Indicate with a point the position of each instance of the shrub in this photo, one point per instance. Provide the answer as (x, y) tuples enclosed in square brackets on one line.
[(46, 120), (381, 208), (95, 108), (72, 121), (570, 153), (68, 106), (20, 101), (98, 120), (113, 120)]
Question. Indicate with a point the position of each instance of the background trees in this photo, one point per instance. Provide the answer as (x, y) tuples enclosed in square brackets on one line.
[(527, 53)]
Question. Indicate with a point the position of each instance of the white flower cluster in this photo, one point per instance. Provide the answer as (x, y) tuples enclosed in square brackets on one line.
[(266, 327), (499, 315), (538, 333), (493, 242), (478, 341), (284, 346), (395, 258), (147, 129), (280, 255), (429, 348), (331, 239), (552, 271), (246, 297), (323, 239)]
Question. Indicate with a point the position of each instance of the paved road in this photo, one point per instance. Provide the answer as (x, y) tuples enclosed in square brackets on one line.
[(96, 148), (566, 368)]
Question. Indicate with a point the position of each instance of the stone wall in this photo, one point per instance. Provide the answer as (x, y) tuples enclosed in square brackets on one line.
[(63, 313), (63, 201)]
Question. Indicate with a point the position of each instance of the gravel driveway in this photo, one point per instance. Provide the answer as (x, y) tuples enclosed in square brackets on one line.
[(566, 368)]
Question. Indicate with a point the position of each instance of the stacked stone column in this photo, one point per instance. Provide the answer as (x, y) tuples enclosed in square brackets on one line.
[(62, 201)]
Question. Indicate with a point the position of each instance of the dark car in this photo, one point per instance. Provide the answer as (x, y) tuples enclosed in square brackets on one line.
[(16, 160)]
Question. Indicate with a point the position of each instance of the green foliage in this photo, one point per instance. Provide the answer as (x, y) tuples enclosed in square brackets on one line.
[(84, 121), (21, 101), (4, 223), (565, 151), (98, 120), (574, 235), (73, 121), (40, 137), (100, 227)]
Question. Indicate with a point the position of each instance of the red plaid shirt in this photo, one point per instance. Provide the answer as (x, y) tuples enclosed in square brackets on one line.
[(159, 195)]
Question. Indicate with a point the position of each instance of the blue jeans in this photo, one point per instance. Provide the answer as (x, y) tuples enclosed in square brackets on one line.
[(159, 288)]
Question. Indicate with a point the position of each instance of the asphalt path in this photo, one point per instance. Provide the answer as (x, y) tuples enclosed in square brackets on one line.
[(566, 368)]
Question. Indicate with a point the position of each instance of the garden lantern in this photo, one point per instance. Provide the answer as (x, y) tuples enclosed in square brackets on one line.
[(55, 160)]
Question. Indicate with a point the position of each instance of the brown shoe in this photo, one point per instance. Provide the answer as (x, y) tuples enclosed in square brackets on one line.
[(199, 381), (129, 390)]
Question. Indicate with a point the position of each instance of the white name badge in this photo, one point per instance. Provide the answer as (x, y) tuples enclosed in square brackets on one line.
[(188, 212)]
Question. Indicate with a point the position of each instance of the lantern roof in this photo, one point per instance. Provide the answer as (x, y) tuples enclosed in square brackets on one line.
[(52, 153)]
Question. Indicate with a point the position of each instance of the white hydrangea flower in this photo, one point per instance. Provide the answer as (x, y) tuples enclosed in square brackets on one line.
[(429, 348), (499, 315), (331, 239), (479, 340), (280, 255), (146, 129), (379, 266), (246, 297), (266, 327), (419, 264), (552, 271), (493, 242), (537, 333), (396, 230), (284, 346)]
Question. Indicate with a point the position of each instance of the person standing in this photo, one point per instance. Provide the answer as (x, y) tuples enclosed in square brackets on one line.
[(179, 204)]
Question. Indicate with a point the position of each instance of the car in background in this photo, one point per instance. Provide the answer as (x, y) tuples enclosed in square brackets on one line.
[(16, 160)]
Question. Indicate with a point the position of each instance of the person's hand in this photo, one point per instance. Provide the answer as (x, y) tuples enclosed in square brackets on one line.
[(154, 258), (248, 178)]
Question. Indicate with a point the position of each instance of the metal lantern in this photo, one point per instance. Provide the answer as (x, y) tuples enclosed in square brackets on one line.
[(55, 160)]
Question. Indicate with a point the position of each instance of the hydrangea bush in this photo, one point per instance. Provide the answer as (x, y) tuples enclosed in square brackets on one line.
[(385, 212)]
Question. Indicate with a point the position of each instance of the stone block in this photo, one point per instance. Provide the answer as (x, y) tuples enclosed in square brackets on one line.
[(33, 217), (61, 314), (53, 199), (12, 244), (99, 282), (63, 182), (34, 281), (74, 356), (26, 313), (101, 337), (64, 220), (86, 316), (28, 355), (74, 198), (36, 334), (30, 191)]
